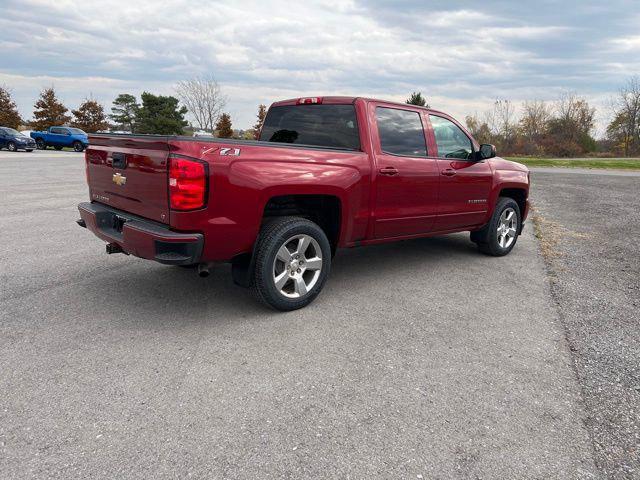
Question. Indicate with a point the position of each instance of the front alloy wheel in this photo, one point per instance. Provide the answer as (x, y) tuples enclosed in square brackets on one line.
[(507, 228), (11, 146), (499, 236)]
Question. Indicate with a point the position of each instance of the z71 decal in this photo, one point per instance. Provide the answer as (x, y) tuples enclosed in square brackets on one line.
[(234, 152)]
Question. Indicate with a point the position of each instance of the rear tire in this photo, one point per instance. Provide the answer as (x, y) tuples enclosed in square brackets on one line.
[(11, 146), (293, 260), (78, 146), (498, 237), (41, 144)]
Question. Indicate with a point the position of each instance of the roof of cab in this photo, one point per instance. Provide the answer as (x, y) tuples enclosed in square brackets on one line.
[(343, 100)]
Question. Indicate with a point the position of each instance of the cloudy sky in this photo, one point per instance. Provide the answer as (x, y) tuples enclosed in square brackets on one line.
[(461, 55)]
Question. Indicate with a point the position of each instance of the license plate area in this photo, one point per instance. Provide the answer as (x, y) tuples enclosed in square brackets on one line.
[(111, 223), (117, 223)]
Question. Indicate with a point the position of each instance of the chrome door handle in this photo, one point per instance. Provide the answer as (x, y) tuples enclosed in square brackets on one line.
[(388, 171), (449, 172)]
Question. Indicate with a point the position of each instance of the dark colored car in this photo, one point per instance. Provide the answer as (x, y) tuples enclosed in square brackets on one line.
[(13, 140), (327, 173), (60, 137)]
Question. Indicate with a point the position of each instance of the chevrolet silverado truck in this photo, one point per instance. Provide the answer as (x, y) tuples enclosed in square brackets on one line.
[(60, 137), (326, 173)]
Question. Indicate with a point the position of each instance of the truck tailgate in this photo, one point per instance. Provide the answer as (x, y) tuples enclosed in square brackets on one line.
[(130, 173)]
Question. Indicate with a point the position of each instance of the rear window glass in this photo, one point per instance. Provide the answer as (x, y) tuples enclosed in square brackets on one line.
[(332, 126), (401, 132)]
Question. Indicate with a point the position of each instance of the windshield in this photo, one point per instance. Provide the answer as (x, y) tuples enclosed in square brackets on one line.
[(332, 126), (76, 131), (11, 131)]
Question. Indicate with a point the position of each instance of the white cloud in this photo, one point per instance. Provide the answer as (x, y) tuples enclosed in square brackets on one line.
[(261, 51)]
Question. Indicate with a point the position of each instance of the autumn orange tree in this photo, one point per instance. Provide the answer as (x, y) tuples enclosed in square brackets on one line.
[(49, 111), (9, 115), (90, 117)]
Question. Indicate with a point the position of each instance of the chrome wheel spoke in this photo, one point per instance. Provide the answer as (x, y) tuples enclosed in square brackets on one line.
[(303, 244), (284, 254), (314, 263), (282, 279), (300, 286)]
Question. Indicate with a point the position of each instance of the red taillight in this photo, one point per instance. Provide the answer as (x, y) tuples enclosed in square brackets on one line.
[(309, 101), (187, 184)]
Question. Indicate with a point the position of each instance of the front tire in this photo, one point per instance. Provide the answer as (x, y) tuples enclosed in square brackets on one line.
[(41, 144), (11, 146), (78, 146), (498, 237), (292, 263)]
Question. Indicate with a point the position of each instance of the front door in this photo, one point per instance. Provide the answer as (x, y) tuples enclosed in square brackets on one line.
[(465, 184), (406, 180), (58, 137)]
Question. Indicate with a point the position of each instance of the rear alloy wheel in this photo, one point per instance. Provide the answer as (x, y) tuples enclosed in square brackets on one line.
[(78, 146), (293, 259), (11, 146), (40, 143), (500, 235)]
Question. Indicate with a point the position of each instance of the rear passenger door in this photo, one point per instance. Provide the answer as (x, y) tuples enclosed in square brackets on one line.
[(465, 183), (406, 179)]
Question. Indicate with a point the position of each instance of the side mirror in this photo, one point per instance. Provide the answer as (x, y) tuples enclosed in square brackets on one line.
[(486, 151)]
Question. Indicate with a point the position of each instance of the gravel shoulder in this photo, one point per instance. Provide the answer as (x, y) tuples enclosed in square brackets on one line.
[(590, 226)]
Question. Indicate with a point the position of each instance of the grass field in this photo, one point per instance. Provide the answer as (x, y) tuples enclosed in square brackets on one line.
[(608, 163)]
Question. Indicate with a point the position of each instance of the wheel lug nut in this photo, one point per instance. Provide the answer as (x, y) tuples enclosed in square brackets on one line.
[(299, 270)]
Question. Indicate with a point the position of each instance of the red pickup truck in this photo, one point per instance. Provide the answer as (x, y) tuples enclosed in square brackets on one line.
[(326, 173)]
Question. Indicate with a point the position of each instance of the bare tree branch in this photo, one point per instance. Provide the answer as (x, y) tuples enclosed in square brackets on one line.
[(204, 100)]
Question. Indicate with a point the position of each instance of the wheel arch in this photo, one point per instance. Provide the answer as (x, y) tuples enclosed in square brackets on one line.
[(519, 194)]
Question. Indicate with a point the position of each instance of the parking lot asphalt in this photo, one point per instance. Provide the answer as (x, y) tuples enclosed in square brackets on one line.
[(421, 359), (592, 223)]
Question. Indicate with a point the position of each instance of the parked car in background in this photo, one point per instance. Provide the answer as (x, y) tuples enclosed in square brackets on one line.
[(13, 140), (327, 173), (60, 137)]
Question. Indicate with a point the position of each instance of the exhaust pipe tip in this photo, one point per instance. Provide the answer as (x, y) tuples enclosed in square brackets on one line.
[(203, 270)]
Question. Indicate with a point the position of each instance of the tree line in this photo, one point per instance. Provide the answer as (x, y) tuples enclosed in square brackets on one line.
[(563, 127), (152, 114)]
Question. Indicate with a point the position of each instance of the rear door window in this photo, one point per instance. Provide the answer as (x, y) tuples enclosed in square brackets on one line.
[(59, 131), (332, 126), (451, 140), (401, 132)]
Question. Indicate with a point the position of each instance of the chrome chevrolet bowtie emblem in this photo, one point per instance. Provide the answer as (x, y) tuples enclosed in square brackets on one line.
[(119, 179)]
